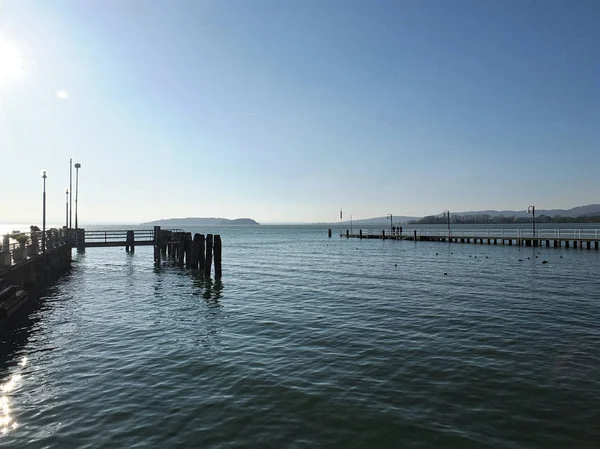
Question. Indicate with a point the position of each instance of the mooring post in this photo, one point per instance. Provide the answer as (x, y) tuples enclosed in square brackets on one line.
[(188, 249), (181, 249), (347, 235), (217, 250), (163, 246), (201, 254), (209, 253), (415, 235), (195, 252), (329, 233), (157, 241), (360, 233), (129, 242)]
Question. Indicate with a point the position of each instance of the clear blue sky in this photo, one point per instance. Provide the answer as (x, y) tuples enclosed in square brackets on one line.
[(286, 111)]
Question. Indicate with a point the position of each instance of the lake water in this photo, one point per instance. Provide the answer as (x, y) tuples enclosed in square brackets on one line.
[(312, 342)]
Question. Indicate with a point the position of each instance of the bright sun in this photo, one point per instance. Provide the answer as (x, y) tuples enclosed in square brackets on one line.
[(11, 63)]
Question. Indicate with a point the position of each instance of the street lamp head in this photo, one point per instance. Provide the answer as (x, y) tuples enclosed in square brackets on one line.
[(530, 208), (44, 173), (77, 165)]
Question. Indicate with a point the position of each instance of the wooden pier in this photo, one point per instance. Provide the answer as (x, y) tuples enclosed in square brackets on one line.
[(29, 262), (556, 238), (197, 252)]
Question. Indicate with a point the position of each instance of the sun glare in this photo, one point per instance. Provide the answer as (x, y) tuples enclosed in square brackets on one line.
[(11, 62)]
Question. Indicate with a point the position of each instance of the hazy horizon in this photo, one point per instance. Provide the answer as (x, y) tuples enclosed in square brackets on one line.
[(285, 112)]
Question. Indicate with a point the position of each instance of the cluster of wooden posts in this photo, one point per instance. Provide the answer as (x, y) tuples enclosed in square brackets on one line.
[(195, 252)]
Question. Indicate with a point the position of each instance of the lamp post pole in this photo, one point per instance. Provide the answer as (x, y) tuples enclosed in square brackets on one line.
[(447, 214), (44, 176), (67, 208), (531, 210), (77, 167), (71, 193)]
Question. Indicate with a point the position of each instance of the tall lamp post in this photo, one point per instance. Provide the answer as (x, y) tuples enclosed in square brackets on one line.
[(67, 208), (77, 167), (44, 174), (531, 210), (391, 218), (71, 191), (447, 214)]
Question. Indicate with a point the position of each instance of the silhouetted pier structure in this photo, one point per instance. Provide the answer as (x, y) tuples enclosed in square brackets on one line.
[(557, 238), (29, 261)]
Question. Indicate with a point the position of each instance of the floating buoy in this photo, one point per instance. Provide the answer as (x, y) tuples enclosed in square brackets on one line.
[(445, 273)]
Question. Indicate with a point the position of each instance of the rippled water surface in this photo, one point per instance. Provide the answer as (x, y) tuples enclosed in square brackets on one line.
[(312, 342)]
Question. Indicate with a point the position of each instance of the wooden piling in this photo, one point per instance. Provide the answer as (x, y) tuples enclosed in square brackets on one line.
[(165, 236), (383, 234), (157, 239), (181, 249), (129, 246), (347, 236), (188, 249), (360, 234), (329, 233), (217, 251), (589, 245), (566, 243), (209, 253), (201, 254), (415, 235), (596, 246), (574, 243), (195, 252)]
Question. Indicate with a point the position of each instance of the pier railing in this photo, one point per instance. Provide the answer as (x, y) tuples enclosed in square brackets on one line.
[(17, 247)]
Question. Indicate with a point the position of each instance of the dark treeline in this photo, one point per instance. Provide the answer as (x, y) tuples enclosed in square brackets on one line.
[(501, 219)]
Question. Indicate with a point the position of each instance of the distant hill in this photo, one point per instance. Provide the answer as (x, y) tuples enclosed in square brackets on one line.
[(590, 210), (197, 221), (579, 211)]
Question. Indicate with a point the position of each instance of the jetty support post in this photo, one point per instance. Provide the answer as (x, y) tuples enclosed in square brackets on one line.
[(329, 233), (129, 246), (209, 253), (181, 249), (157, 243), (217, 250), (201, 254), (347, 236), (360, 233), (188, 249), (195, 252)]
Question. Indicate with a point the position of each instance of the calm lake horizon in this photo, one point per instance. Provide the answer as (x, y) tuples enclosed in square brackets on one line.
[(312, 342)]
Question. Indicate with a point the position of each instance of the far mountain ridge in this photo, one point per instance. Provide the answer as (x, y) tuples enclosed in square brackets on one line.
[(579, 211), (200, 221)]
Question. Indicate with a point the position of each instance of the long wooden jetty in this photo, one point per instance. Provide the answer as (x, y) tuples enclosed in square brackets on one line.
[(557, 238), (31, 261)]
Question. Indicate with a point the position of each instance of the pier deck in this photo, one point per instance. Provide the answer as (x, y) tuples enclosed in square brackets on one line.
[(589, 238)]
